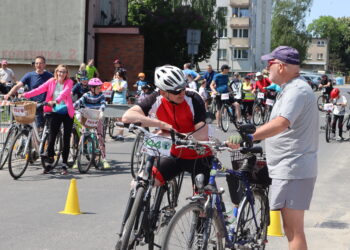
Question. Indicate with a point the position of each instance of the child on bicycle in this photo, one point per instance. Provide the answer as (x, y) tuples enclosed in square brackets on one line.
[(94, 99), (339, 101)]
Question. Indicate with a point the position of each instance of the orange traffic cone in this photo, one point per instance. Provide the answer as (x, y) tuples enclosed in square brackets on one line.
[(72, 202), (275, 227)]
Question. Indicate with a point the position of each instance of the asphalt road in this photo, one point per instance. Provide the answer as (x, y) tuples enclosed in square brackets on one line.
[(29, 217)]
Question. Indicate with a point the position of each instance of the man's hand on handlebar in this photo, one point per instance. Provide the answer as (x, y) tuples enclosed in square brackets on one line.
[(51, 103)]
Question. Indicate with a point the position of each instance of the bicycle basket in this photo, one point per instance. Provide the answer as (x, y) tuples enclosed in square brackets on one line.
[(258, 174), (24, 111), (90, 117)]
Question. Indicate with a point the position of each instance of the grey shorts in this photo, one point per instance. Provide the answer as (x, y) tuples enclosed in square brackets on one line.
[(293, 194)]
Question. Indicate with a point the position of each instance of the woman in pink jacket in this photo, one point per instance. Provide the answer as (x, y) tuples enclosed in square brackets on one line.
[(58, 95)]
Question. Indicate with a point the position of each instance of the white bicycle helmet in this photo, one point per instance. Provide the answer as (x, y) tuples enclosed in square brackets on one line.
[(169, 78)]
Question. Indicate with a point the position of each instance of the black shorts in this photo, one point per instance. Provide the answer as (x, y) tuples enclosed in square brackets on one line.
[(170, 167)]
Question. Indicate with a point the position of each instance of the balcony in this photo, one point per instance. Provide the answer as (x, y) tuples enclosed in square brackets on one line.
[(239, 3), (239, 22), (239, 42)]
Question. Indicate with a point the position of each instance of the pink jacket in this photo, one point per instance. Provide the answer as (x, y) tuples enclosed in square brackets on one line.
[(49, 87)]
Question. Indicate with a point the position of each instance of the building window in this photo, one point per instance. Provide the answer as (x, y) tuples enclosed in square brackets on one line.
[(222, 54), (240, 33), (240, 12), (321, 43), (309, 57), (240, 54), (319, 56), (223, 10), (222, 33)]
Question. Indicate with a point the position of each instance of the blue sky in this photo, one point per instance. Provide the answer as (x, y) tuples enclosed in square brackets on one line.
[(335, 8)]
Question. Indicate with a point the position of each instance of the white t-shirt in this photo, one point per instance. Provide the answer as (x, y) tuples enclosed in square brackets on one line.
[(203, 93), (6, 75), (192, 85), (339, 110)]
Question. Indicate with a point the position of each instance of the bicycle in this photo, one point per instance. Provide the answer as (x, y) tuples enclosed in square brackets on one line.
[(89, 152), (202, 224), (227, 113), (146, 217), (328, 109), (27, 144), (322, 99), (269, 102), (259, 109), (74, 141)]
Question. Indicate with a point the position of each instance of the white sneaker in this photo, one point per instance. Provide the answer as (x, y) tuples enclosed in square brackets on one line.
[(339, 138)]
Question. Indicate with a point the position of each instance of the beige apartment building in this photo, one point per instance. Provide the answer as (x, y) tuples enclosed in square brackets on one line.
[(317, 56), (246, 37)]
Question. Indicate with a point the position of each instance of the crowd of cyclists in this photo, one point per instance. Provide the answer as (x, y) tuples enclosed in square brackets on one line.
[(178, 100)]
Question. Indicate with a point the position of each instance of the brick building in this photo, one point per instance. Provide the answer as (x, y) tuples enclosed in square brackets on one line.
[(70, 32)]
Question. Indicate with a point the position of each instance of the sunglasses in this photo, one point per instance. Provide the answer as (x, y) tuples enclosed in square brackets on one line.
[(270, 63), (175, 92)]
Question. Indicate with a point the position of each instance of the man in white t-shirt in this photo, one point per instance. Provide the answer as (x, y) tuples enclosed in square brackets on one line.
[(7, 77)]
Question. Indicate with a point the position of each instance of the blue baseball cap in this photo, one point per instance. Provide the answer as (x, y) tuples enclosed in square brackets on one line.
[(285, 54)]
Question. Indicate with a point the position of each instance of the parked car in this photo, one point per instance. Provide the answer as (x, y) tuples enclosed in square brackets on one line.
[(311, 82)]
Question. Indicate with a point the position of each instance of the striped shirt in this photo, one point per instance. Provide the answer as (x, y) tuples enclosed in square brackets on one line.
[(91, 101)]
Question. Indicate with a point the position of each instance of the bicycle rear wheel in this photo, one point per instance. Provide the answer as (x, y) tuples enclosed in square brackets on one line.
[(6, 146), (257, 115), (137, 156), (187, 230), (74, 146), (19, 156), (320, 102), (247, 232), (57, 148), (86, 155), (111, 126), (224, 118)]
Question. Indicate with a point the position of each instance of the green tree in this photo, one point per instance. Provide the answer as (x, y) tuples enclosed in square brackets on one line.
[(337, 31), (288, 25), (164, 26)]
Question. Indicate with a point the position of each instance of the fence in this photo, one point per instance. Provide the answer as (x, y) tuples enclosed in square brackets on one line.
[(5, 119)]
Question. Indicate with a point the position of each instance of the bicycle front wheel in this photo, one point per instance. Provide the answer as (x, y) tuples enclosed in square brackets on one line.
[(124, 241), (224, 118), (111, 127), (248, 232), (187, 230), (86, 154), (6, 146), (320, 102), (19, 155), (137, 157)]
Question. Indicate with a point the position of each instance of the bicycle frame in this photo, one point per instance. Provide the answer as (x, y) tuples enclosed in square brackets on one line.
[(215, 200)]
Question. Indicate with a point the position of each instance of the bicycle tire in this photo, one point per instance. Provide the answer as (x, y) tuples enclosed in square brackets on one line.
[(328, 129), (85, 157), (5, 148), (246, 231), (74, 146), (97, 152), (320, 103), (137, 156), (257, 115), (267, 114), (162, 211), (224, 118), (194, 227), (123, 242), (57, 149), (111, 127), (18, 144)]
